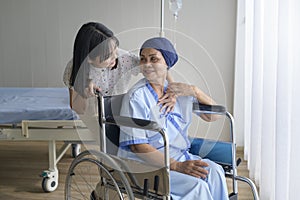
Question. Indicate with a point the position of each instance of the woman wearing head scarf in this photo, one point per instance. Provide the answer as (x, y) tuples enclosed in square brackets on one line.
[(190, 177)]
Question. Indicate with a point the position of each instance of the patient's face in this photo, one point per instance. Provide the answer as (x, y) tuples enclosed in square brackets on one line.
[(153, 65)]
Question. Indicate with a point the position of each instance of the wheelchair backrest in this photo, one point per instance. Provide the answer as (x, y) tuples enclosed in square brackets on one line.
[(153, 178), (112, 107)]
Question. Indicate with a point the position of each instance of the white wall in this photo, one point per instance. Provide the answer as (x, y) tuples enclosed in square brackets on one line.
[(36, 38)]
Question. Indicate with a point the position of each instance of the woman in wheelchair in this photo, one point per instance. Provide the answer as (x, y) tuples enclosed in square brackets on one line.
[(190, 177)]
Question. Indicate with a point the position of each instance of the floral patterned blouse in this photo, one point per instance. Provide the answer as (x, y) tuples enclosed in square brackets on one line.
[(111, 81)]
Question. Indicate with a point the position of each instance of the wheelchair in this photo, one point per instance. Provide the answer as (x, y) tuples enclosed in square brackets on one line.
[(118, 178)]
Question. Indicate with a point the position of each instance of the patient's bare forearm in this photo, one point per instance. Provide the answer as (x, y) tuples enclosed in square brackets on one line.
[(154, 157), (150, 154)]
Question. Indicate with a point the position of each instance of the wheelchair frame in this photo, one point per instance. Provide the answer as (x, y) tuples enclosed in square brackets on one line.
[(110, 176)]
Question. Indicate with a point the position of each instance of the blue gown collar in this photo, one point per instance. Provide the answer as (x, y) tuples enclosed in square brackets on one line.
[(170, 116), (152, 90)]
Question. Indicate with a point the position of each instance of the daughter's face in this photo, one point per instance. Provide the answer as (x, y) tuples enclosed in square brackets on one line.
[(153, 65), (108, 63)]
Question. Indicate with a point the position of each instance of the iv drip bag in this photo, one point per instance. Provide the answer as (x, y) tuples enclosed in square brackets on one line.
[(175, 6)]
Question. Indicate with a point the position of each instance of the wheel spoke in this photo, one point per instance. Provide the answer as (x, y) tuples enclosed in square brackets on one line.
[(84, 175)]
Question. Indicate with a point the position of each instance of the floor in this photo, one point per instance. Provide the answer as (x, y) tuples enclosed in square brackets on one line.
[(23, 162)]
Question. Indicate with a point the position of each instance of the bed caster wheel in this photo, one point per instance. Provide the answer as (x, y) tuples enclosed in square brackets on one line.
[(50, 181), (76, 149)]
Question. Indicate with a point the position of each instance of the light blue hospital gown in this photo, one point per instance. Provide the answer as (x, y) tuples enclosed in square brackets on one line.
[(141, 102)]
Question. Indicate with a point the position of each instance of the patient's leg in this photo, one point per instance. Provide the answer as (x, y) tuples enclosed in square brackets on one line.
[(216, 180), (184, 186)]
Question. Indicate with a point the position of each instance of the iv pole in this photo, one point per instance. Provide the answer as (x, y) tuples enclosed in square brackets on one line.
[(162, 13)]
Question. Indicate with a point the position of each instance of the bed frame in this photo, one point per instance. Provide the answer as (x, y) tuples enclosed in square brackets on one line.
[(71, 131)]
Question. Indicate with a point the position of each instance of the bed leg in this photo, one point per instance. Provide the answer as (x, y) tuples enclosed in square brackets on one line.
[(50, 177)]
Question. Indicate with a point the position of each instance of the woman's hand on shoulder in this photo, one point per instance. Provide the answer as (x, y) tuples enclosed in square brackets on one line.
[(174, 90), (168, 102)]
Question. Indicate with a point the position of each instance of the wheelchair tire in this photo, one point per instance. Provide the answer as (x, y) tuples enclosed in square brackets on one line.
[(86, 172)]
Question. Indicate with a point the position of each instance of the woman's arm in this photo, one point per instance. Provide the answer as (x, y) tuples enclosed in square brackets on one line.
[(201, 96), (79, 103), (168, 100), (205, 99), (183, 89)]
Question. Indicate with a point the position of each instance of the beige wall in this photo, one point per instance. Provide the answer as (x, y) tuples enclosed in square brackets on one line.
[(36, 38)]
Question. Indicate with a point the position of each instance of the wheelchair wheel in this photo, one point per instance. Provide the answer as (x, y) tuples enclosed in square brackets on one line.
[(87, 174)]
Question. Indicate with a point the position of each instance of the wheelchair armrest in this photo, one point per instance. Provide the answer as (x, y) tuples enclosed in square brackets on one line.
[(200, 108), (133, 123), (143, 124)]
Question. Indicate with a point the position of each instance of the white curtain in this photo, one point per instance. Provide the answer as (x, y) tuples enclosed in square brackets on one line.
[(270, 76)]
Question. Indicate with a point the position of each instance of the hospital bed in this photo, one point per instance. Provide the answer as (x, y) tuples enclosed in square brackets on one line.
[(42, 114), (119, 178)]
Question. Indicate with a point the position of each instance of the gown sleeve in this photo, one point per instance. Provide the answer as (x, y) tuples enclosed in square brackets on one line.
[(133, 106)]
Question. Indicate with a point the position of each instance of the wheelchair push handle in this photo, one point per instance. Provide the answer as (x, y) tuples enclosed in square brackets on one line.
[(98, 93)]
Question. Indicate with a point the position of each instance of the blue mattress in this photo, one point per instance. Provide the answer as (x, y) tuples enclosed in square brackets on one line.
[(17, 104)]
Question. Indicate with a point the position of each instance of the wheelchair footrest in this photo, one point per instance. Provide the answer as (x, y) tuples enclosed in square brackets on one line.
[(233, 196)]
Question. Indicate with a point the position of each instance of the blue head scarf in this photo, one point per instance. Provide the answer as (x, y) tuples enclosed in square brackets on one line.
[(165, 47)]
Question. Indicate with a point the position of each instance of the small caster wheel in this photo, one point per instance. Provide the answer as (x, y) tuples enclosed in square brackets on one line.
[(76, 149), (49, 184), (50, 180)]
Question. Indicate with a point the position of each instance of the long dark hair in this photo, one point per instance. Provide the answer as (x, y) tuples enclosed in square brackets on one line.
[(92, 40)]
